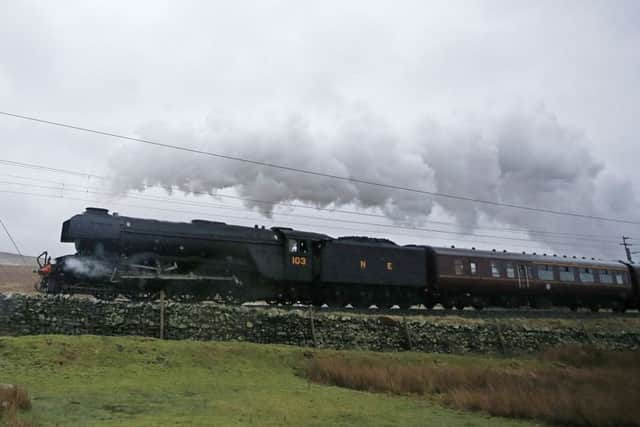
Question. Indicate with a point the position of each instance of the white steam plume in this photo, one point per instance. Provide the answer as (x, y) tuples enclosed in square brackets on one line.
[(86, 268), (522, 157)]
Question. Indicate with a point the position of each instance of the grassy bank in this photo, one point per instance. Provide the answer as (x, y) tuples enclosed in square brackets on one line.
[(580, 386), (89, 380)]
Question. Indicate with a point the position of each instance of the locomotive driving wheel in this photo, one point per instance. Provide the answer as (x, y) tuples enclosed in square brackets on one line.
[(446, 303)]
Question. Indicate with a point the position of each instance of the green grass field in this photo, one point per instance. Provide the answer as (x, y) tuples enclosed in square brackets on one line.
[(91, 380)]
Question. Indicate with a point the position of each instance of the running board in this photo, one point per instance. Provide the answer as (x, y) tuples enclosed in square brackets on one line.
[(169, 277)]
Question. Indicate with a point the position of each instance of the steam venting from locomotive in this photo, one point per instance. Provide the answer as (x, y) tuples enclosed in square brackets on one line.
[(87, 268), (523, 157)]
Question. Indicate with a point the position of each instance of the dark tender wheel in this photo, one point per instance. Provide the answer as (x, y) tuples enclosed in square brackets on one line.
[(479, 303), (428, 303), (618, 307)]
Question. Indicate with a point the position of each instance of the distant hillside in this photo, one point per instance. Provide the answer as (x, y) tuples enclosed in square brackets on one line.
[(15, 259)]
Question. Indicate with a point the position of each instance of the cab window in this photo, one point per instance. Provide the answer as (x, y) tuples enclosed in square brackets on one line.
[(292, 244)]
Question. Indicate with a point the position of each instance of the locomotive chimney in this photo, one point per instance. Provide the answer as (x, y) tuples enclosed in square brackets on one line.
[(97, 211)]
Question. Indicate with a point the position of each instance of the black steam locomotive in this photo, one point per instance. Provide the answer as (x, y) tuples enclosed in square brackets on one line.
[(138, 258)]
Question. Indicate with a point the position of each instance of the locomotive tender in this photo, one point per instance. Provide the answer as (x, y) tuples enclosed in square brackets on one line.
[(137, 258)]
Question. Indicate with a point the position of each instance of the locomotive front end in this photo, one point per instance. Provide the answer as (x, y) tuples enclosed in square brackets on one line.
[(44, 271)]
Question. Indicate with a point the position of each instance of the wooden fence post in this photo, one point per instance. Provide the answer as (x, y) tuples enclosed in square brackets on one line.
[(162, 314), (501, 340), (407, 334), (313, 327)]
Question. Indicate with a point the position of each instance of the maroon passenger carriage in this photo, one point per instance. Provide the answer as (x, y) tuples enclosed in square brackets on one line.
[(463, 277)]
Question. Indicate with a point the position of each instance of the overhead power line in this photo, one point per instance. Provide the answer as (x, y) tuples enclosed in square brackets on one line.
[(577, 236), (571, 247), (238, 208), (223, 206), (316, 173), (15, 245), (332, 220), (50, 169)]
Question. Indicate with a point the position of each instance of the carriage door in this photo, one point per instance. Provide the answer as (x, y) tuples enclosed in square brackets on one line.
[(523, 276), (298, 259)]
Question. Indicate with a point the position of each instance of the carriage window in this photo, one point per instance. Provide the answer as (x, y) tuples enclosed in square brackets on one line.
[(545, 272), (473, 267), (495, 270), (620, 279), (458, 266), (566, 274), (511, 272), (293, 246), (586, 275), (605, 276)]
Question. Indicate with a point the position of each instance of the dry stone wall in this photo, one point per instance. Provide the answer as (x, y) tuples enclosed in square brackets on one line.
[(37, 314)]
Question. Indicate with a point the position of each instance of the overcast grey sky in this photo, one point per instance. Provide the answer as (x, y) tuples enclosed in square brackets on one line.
[(532, 103)]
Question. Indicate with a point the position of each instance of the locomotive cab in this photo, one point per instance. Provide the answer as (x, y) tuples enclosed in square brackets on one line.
[(300, 254)]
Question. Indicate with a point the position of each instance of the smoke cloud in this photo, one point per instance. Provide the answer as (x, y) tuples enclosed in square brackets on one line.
[(524, 157)]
